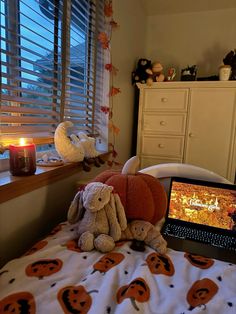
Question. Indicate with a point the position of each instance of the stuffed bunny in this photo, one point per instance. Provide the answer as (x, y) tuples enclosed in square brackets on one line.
[(144, 231), (100, 216)]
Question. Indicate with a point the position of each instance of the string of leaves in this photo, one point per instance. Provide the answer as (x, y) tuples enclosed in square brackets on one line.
[(105, 40)]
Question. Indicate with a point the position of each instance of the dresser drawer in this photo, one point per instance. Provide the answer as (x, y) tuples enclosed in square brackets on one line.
[(162, 99), (169, 146), (164, 123)]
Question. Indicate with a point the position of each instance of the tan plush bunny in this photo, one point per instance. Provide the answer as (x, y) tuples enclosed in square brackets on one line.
[(100, 216)]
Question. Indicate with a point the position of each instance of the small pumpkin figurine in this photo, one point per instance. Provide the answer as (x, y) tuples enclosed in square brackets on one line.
[(142, 195), (18, 303)]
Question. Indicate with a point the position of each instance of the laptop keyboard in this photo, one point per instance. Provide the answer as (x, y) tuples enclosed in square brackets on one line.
[(215, 239)]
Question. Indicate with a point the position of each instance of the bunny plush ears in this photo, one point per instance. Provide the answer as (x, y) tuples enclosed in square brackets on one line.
[(94, 197)]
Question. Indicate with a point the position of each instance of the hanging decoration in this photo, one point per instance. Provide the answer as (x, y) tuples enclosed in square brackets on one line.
[(105, 39)]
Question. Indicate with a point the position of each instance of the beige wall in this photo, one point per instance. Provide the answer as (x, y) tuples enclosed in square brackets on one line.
[(201, 38), (127, 47)]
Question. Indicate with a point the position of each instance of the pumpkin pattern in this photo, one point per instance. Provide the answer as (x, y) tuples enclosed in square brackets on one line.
[(108, 261), (73, 246), (75, 299), (43, 267), (201, 292), (137, 192), (177, 282), (199, 261), (120, 243), (137, 290), (38, 246), (160, 264), (18, 303), (56, 230)]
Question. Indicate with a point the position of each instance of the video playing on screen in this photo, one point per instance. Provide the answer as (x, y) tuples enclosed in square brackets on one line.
[(215, 207)]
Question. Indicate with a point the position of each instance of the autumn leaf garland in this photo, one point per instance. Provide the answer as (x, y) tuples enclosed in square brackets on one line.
[(105, 38)]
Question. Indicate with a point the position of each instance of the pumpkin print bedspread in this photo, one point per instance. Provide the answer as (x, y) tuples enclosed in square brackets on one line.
[(55, 277)]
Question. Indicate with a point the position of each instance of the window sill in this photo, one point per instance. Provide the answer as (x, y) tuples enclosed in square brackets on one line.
[(11, 186)]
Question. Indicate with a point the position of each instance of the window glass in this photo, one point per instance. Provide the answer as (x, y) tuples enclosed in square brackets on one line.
[(49, 61)]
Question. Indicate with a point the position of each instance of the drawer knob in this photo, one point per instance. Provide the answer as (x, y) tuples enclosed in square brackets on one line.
[(191, 135), (162, 123), (163, 99), (161, 146)]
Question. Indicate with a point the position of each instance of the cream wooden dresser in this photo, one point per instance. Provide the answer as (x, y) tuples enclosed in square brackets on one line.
[(188, 122)]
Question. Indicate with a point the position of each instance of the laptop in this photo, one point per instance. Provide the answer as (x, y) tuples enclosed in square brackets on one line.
[(201, 218)]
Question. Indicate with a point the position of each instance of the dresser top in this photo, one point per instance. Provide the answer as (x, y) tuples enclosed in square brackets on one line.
[(188, 84)]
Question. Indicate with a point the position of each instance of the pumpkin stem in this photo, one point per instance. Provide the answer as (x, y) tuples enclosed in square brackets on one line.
[(93, 291), (131, 165), (134, 304)]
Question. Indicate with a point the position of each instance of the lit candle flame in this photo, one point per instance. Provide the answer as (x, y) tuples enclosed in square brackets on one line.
[(22, 141)]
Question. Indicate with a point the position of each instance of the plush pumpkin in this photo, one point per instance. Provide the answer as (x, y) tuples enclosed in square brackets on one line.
[(18, 303), (142, 195)]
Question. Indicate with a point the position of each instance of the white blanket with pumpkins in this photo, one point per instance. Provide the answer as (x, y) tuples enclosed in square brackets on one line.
[(56, 277)]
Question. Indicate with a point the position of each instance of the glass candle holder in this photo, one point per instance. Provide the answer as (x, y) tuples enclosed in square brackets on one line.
[(22, 158), (224, 72)]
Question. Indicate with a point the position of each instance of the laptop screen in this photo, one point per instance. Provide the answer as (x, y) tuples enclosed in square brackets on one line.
[(201, 202)]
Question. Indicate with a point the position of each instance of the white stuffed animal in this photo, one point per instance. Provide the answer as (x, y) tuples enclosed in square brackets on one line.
[(88, 143), (91, 155), (67, 150), (100, 216)]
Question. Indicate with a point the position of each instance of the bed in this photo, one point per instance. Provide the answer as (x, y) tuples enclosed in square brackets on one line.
[(55, 276)]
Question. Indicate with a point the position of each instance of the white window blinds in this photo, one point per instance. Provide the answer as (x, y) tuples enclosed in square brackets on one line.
[(51, 67)]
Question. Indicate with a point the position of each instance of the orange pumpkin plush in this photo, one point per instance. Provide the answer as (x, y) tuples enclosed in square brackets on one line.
[(142, 195)]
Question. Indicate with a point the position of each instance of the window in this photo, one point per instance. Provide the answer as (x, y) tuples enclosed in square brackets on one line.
[(51, 68)]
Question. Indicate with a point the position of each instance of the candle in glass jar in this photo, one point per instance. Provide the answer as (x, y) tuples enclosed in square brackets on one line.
[(22, 158)]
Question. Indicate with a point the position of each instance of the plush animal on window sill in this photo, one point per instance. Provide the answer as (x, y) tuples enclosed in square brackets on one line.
[(75, 148), (64, 147), (144, 232), (91, 155), (155, 73), (100, 216)]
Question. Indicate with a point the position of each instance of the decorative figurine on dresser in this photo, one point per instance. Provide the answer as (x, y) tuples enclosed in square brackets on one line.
[(230, 59), (155, 73)]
